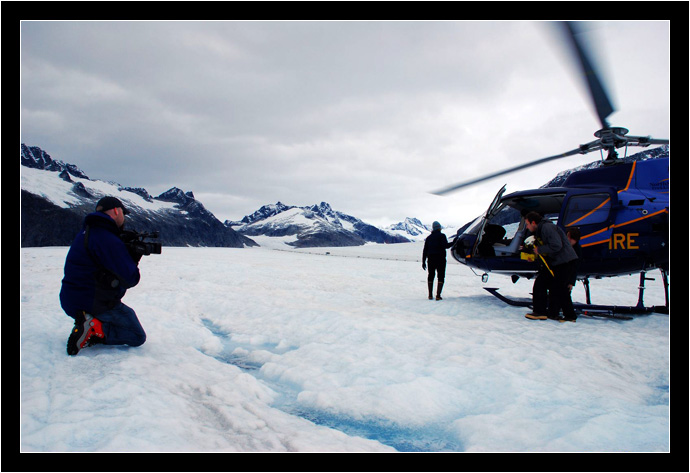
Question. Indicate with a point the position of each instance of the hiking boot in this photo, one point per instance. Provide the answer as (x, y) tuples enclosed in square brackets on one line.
[(87, 331), (439, 288), (95, 340), (535, 316)]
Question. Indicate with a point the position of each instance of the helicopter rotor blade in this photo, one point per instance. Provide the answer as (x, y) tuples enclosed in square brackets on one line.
[(595, 145), (581, 150), (597, 91), (608, 138), (645, 141)]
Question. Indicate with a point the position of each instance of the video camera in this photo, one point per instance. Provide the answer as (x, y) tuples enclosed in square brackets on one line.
[(134, 241)]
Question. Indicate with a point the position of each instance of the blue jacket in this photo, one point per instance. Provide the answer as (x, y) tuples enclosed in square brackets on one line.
[(97, 278)]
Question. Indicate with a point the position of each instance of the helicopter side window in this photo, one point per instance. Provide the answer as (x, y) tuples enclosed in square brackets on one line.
[(508, 218), (587, 209), (500, 232)]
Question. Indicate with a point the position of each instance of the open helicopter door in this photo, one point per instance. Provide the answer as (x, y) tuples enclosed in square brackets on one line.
[(487, 217)]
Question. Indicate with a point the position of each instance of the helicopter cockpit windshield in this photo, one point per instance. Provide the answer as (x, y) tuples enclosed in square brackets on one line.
[(505, 230), (501, 231)]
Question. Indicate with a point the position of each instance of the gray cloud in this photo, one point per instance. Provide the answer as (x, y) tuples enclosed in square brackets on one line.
[(368, 116)]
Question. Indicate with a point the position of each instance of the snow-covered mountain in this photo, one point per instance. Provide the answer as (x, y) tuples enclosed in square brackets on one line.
[(55, 197), (263, 213), (312, 226), (411, 228)]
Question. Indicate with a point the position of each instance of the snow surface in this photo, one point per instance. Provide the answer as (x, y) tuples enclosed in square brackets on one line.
[(258, 350)]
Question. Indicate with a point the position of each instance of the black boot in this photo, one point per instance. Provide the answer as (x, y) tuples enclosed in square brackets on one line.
[(438, 291), (431, 290)]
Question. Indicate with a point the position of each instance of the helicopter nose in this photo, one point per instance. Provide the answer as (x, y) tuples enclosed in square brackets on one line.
[(459, 248)]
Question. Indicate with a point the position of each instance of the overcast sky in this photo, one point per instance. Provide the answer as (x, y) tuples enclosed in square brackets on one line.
[(367, 116)]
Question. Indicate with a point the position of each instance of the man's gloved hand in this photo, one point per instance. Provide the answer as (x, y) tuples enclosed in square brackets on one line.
[(136, 251), (424, 265)]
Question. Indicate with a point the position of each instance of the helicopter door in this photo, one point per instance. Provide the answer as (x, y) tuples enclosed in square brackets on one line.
[(487, 217)]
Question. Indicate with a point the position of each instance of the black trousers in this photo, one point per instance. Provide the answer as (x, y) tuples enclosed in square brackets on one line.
[(559, 295), (436, 266), (540, 291), (550, 294)]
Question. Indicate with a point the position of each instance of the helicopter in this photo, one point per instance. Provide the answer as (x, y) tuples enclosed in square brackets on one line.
[(620, 205)]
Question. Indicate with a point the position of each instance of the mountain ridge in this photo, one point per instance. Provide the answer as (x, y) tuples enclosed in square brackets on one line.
[(56, 196), (315, 225)]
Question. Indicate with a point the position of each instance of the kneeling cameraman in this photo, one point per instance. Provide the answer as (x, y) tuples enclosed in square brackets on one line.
[(98, 271)]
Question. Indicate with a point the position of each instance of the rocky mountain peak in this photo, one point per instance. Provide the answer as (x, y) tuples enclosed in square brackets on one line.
[(35, 157), (312, 225), (175, 195), (56, 196)]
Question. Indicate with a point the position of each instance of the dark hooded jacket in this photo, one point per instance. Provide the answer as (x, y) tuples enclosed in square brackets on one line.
[(435, 246), (556, 246), (98, 268)]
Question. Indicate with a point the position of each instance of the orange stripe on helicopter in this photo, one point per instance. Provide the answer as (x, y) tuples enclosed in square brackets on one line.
[(618, 226), (627, 186), (590, 213), (632, 172)]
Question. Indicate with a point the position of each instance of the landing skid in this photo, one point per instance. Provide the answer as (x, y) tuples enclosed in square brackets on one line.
[(513, 302), (590, 310), (640, 307), (593, 310)]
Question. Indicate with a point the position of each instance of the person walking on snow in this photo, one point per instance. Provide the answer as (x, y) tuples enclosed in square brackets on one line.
[(435, 247)]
